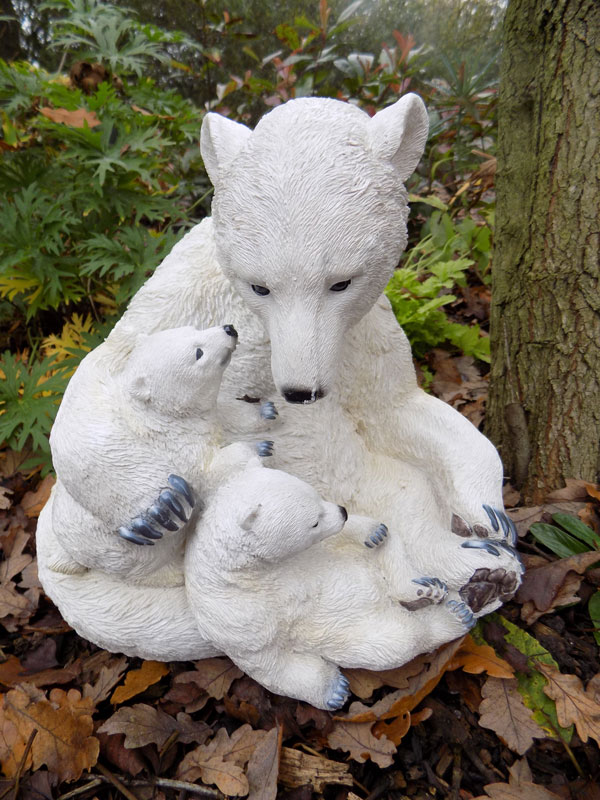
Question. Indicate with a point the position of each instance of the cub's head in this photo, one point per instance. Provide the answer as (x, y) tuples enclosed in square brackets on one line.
[(310, 217), (178, 371), (278, 515)]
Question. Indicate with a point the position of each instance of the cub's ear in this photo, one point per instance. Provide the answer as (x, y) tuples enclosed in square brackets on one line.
[(398, 133), (221, 139), (250, 518), (139, 389)]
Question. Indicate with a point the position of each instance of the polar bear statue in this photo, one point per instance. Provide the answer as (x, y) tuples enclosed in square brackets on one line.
[(288, 601), (309, 221), (120, 469), (276, 579)]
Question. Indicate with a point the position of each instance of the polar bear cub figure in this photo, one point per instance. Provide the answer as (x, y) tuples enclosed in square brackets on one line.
[(288, 600), (131, 472)]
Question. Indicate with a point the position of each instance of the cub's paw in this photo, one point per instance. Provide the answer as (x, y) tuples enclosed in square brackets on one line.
[(264, 449), (377, 537), (500, 526), (267, 410), (489, 586), (462, 612), (340, 691), (170, 512), (430, 592)]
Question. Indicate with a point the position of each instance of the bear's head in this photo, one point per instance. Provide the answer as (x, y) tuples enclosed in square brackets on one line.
[(274, 515), (177, 372), (310, 217)]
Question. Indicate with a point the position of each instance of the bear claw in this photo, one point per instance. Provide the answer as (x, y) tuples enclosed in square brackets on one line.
[(182, 486), (130, 536), (378, 536), (167, 498), (268, 410), (479, 545), (463, 612), (265, 448), (340, 694)]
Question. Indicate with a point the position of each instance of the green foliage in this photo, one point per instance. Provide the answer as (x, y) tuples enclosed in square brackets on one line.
[(423, 285), (531, 684), (29, 399), (98, 187), (567, 537)]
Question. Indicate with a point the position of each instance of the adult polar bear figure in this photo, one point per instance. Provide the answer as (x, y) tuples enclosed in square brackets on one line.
[(309, 222)]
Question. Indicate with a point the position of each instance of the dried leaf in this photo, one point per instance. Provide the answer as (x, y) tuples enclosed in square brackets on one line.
[(12, 673), (476, 658), (358, 740), (263, 766), (521, 791), (220, 761), (143, 724), (64, 726), (574, 490), (214, 675), (5, 501), (503, 711), (419, 677), (113, 749), (543, 587), (110, 674), (593, 490), (396, 730), (33, 502), (573, 704), (299, 769), (138, 680), (12, 603), (76, 119)]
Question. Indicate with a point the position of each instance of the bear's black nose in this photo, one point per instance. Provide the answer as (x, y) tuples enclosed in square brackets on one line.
[(230, 330), (302, 396), (344, 512)]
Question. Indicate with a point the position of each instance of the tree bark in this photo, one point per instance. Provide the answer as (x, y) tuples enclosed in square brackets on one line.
[(9, 32), (544, 404)]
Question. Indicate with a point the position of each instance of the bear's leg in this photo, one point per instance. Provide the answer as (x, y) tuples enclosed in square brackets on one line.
[(389, 639), (304, 676), (170, 512)]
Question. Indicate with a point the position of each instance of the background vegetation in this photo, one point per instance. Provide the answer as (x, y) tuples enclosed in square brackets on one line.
[(101, 171)]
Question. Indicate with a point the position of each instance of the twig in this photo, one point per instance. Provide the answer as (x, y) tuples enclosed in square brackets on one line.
[(81, 789), (168, 744), (21, 766), (569, 752), (116, 782), (165, 783)]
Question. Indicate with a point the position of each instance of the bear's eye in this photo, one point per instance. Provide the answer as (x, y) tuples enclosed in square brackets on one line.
[(340, 286), (315, 525), (261, 291), (199, 353)]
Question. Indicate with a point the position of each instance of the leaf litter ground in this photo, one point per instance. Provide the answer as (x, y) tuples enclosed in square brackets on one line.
[(511, 711)]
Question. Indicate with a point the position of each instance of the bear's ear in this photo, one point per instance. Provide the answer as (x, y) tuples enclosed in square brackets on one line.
[(250, 518), (139, 388), (398, 133), (221, 140)]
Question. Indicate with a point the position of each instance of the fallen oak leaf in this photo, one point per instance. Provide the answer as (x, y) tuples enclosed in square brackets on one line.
[(109, 675), (360, 742), (138, 680), (263, 766), (33, 502), (300, 769), (14, 605), (476, 658), (220, 761), (526, 789), (573, 703), (12, 673), (213, 675), (5, 501), (542, 585), (431, 667), (64, 741), (75, 119), (143, 724), (397, 729), (503, 711)]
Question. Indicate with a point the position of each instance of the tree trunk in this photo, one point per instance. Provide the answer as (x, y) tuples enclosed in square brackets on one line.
[(9, 32), (544, 404)]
